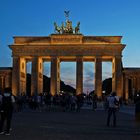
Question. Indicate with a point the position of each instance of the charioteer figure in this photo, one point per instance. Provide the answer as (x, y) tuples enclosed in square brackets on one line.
[(67, 28)]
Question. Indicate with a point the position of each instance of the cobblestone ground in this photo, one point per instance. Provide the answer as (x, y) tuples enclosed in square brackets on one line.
[(58, 125)]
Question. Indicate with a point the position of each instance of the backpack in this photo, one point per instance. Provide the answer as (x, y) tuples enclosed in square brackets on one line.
[(6, 103), (117, 103)]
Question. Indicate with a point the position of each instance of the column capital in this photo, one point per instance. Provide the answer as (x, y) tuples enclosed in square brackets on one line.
[(2, 76), (79, 58), (117, 57), (55, 58), (16, 56), (98, 56), (126, 77), (35, 57)]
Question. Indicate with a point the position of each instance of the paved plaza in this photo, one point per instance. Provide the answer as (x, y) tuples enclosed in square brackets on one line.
[(84, 125)]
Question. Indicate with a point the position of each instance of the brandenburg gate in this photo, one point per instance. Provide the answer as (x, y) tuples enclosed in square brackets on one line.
[(66, 44)]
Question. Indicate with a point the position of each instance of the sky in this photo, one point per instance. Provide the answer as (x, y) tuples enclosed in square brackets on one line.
[(97, 18)]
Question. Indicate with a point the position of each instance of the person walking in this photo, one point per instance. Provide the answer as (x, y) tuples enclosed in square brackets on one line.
[(113, 101), (6, 111)]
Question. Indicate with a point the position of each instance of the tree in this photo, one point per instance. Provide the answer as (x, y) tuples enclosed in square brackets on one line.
[(107, 86)]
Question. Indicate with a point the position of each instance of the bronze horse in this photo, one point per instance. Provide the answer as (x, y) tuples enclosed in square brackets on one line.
[(77, 28), (57, 28)]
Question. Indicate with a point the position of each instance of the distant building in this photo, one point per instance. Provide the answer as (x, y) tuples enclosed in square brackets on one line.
[(5, 78)]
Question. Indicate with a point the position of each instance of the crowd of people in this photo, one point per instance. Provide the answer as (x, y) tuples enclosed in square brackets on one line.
[(42, 102), (46, 102)]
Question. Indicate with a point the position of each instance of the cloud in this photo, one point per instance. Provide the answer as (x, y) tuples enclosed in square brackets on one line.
[(47, 69)]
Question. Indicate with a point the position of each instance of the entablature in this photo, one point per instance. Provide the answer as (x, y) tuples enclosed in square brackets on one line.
[(67, 39), (67, 51), (131, 72)]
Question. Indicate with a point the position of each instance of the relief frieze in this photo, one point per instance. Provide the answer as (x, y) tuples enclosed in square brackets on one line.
[(67, 51), (65, 40), (22, 75), (40, 75)]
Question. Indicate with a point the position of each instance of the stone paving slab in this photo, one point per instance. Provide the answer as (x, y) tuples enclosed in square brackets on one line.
[(83, 125)]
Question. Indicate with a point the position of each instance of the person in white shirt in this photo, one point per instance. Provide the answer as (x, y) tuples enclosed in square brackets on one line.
[(112, 107)]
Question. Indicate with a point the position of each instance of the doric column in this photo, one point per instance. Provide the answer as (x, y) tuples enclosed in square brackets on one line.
[(79, 76), (138, 83), (98, 77), (37, 76), (55, 76), (133, 86), (8, 80), (19, 76), (137, 87), (134, 83), (117, 75), (40, 76), (126, 89), (16, 76), (2, 83), (22, 77)]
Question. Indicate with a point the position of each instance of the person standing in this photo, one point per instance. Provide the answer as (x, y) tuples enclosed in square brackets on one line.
[(0, 103), (6, 111), (113, 101), (94, 102), (0, 100)]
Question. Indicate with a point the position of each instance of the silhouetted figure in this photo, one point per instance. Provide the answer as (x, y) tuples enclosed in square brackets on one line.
[(6, 111), (0, 99), (0, 103), (94, 102), (112, 107), (73, 101), (79, 102)]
